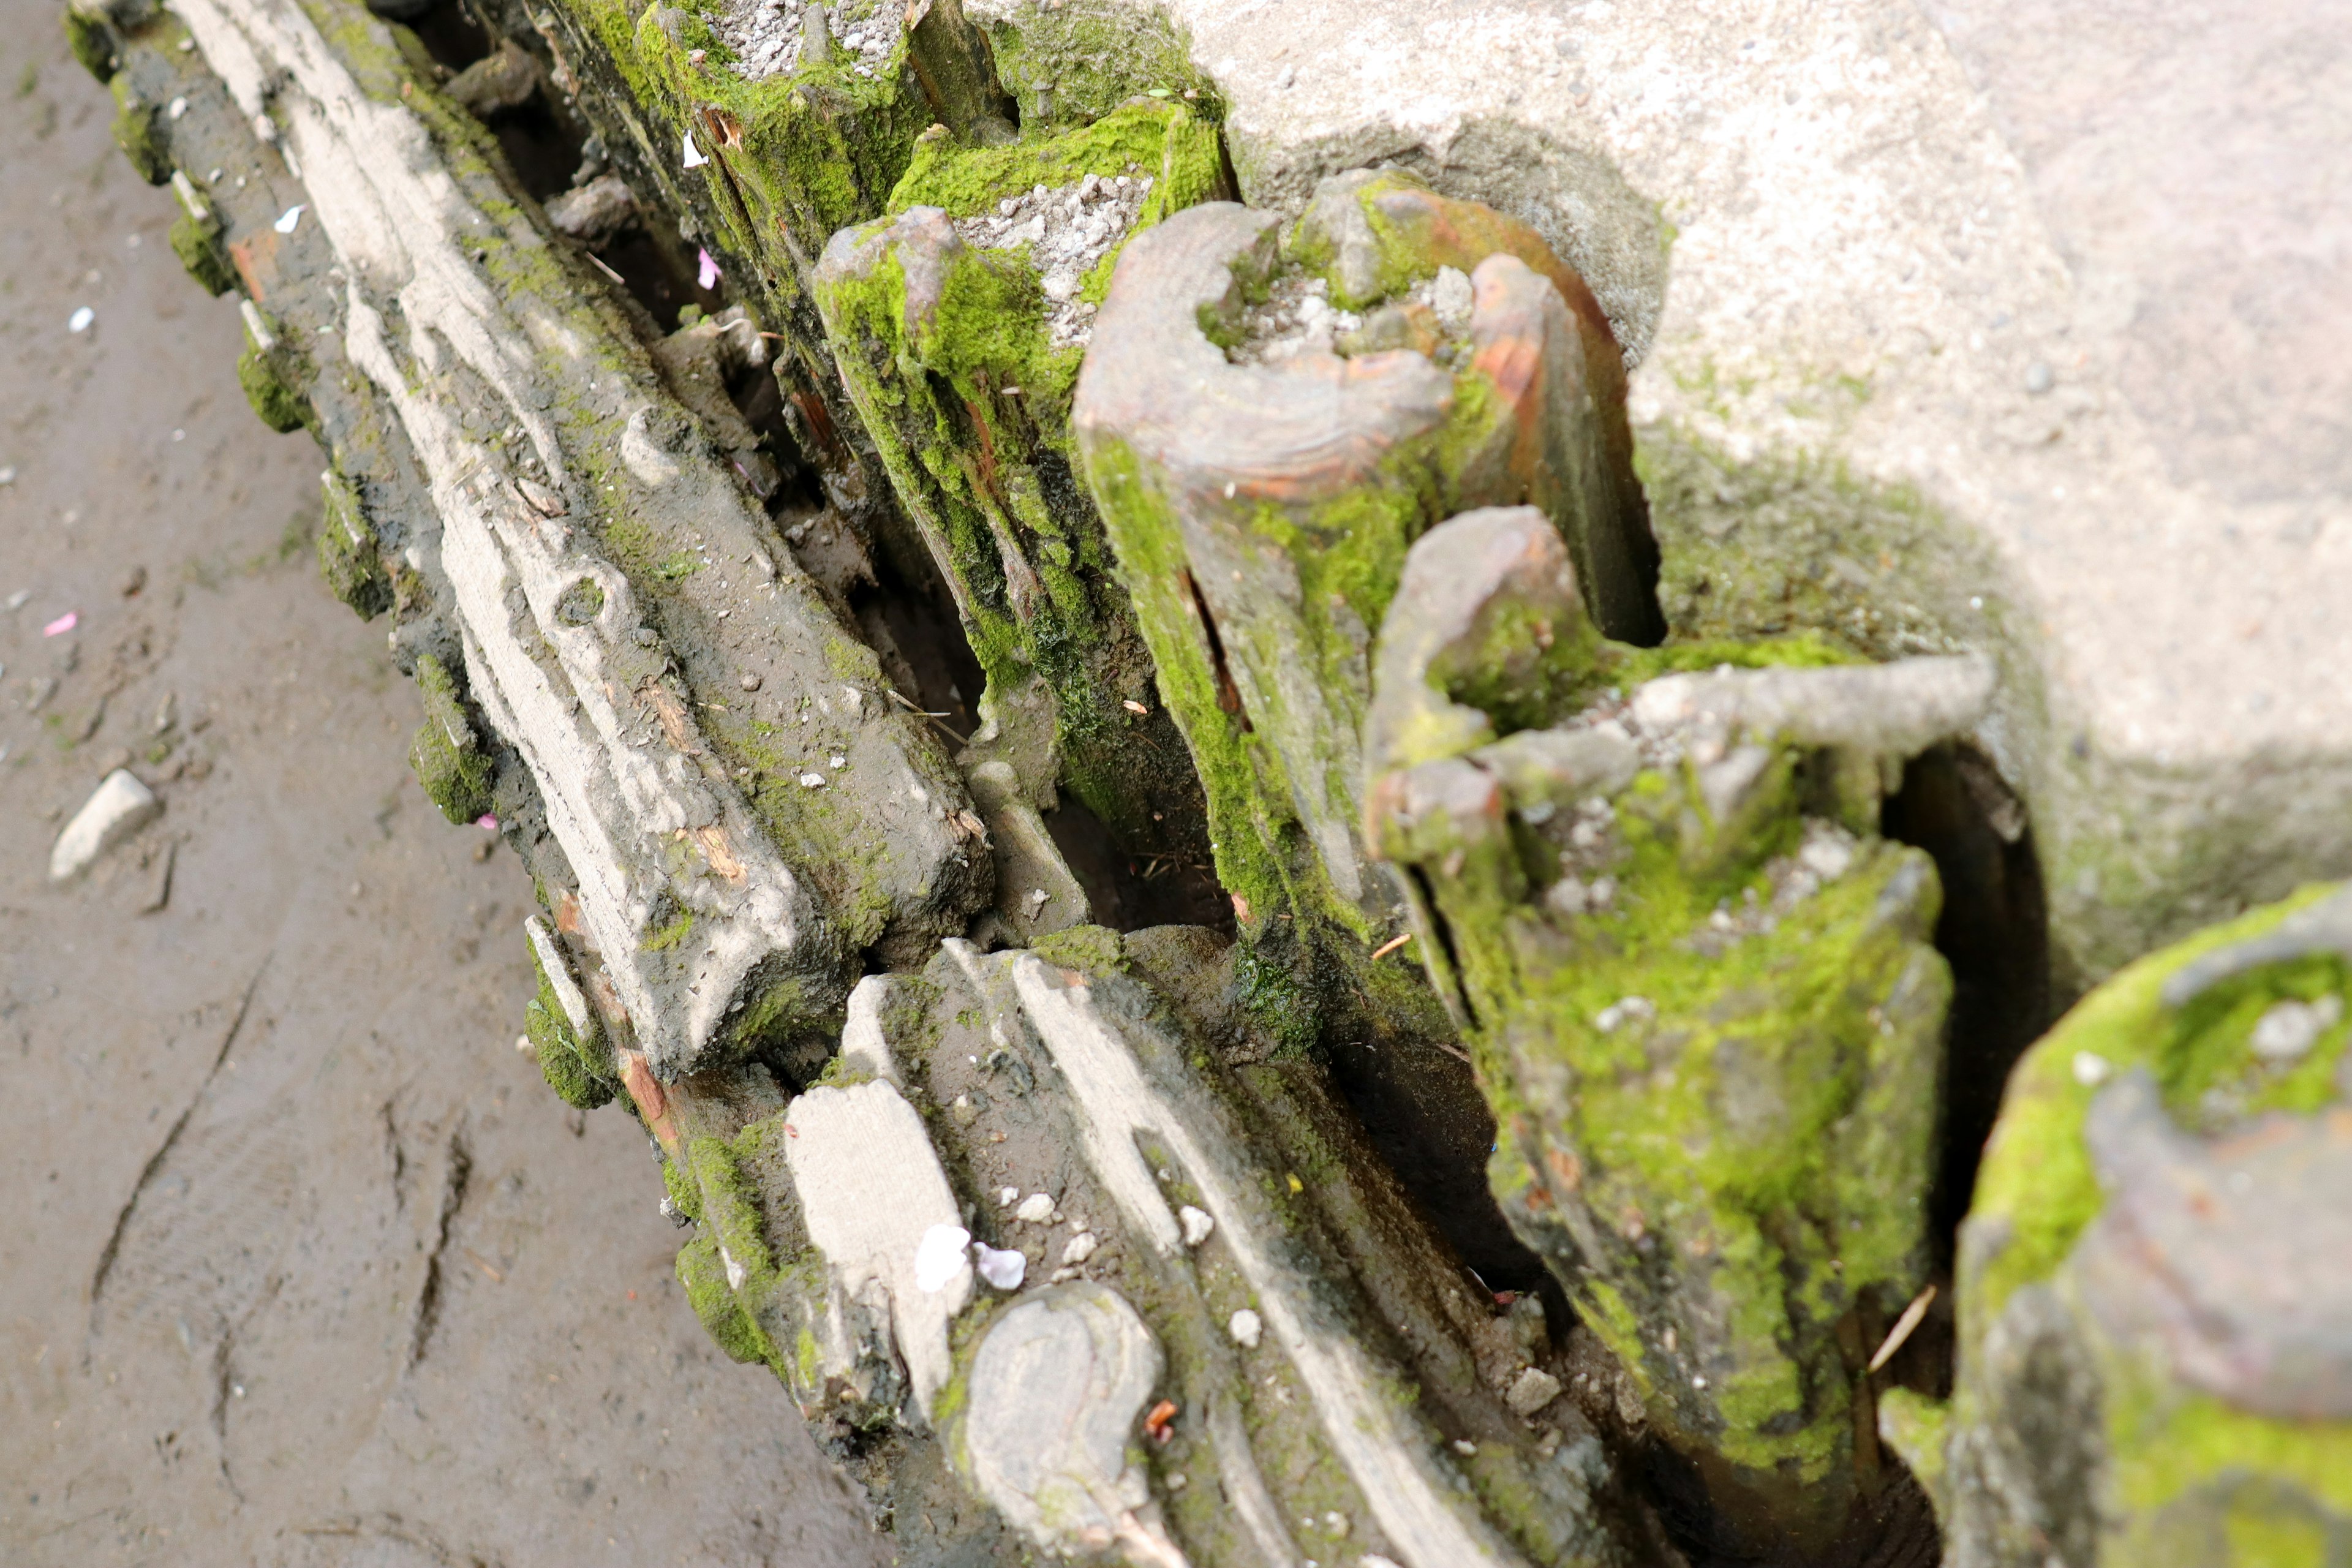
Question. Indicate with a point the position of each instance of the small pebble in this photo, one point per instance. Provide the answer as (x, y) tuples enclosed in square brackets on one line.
[(1531, 1391), (1037, 1208), (750, 683), (80, 319), (2091, 1069), (1197, 1224), (119, 807), (2040, 378), (1246, 1327), (1082, 1246), (2289, 1029)]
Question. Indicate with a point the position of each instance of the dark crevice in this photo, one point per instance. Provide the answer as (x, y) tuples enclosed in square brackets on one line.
[(542, 146), (1229, 696), (1994, 931), (1421, 1107), (453, 35), (1132, 892), (928, 635), (1422, 1111), (657, 273)]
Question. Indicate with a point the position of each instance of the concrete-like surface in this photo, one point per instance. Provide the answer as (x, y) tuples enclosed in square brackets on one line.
[(300, 1261), (2059, 290)]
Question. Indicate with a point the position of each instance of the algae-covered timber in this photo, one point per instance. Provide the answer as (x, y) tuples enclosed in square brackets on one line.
[(960, 347), (1267, 423), (562, 482), (1702, 998), (2155, 1331)]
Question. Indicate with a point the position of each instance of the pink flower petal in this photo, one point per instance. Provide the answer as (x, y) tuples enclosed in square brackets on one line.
[(706, 273), (489, 820), (62, 624)]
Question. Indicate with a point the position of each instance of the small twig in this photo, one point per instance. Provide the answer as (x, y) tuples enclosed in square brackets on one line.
[(1903, 1327), (938, 719), (1389, 946), (485, 1265), (1456, 1052), (605, 270)]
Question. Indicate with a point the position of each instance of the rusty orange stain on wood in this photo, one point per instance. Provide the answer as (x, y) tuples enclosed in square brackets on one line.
[(255, 256)]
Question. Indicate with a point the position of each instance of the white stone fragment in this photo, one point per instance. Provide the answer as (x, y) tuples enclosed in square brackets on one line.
[(1451, 299), (1005, 1195), (1052, 1398), (1197, 1224), (879, 1208), (940, 1257), (1827, 859), (1000, 1267), (119, 807), (2291, 1029), (864, 1045), (1631, 1009), (2091, 1069), (1246, 1327), (553, 964), (1082, 1246), (1035, 1209)]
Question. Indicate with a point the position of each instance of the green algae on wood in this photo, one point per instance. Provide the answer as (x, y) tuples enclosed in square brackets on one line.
[(349, 558), (447, 755), (273, 400), (945, 351)]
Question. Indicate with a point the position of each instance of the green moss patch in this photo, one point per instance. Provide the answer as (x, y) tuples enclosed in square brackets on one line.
[(276, 403), (447, 759)]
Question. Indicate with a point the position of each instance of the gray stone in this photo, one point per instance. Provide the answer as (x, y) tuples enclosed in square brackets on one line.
[(1052, 1394)]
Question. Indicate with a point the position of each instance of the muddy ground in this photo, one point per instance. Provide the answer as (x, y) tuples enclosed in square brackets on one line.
[(300, 1261)]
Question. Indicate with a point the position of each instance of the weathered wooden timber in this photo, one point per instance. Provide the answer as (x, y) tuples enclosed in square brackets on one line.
[(1058, 1091), (1261, 510), (579, 556)]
